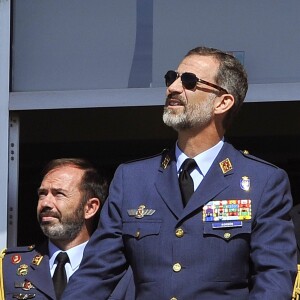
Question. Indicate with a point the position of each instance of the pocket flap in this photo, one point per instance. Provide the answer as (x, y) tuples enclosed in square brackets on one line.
[(226, 233), (141, 229)]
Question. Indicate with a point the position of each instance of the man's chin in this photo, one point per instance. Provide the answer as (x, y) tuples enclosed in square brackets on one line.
[(50, 229), (173, 120)]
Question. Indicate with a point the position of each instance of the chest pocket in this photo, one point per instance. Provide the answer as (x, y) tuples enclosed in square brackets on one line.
[(226, 233)]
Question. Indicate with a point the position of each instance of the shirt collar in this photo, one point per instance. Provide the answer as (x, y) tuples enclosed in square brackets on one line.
[(204, 160), (75, 254)]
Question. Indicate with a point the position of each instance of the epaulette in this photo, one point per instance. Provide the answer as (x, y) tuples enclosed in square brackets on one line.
[(20, 249), (145, 158), (248, 155), (18, 260)]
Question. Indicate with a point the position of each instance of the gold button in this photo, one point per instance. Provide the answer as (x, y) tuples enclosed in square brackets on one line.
[(179, 232), (227, 235), (137, 234), (173, 298), (246, 152), (176, 267), (31, 247)]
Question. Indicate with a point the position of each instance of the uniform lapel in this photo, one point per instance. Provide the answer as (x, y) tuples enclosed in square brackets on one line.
[(40, 276), (167, 184), (214, 182)]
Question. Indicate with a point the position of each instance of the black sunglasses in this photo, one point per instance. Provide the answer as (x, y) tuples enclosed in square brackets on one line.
[(189, 80)]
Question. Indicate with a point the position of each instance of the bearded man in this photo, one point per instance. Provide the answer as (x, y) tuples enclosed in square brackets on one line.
[(203, 220), (69, 200)]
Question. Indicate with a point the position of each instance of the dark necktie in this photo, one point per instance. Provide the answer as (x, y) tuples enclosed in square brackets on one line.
[(186, 183), (60, 277)]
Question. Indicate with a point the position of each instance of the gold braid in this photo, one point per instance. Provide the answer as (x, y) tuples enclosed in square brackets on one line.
[(296, 290), (2, 295)]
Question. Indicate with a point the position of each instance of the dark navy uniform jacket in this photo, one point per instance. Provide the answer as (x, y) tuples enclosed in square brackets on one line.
[(26, 275), (176, 252)]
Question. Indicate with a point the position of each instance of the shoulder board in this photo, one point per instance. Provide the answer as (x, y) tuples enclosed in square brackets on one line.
[(144, 158), (246, 154), (19, 249)]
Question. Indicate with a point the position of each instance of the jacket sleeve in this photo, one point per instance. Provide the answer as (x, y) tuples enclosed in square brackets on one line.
[(103, 263), (273, 245), (125, 290)]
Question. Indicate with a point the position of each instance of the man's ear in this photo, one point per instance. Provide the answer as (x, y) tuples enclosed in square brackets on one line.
[(223, 103), (91, 208)]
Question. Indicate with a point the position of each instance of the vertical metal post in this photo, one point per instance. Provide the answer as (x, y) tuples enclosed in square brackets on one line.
[(4, 100), (13, 180)]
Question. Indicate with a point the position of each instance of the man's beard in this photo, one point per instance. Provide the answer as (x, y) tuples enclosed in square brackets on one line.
[(68, 227), (193, 115)]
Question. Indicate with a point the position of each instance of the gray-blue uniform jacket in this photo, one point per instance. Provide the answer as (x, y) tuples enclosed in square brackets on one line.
[(234, 239)]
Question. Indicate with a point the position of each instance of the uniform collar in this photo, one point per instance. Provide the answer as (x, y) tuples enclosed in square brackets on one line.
[(204, 160), (75, 254)]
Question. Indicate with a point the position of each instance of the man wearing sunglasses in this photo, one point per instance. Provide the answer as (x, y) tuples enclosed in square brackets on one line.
[(202, 220)]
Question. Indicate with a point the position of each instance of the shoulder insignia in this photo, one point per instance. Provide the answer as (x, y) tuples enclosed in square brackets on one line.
[(246, 154), (141, 159), (20, 249)]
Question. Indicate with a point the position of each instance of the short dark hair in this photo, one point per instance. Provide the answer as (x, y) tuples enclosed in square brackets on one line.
[(92, 184), (231, 76)]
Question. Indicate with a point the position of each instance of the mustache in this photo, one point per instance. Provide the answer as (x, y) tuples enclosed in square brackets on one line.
[(176, 96), (48, 213)]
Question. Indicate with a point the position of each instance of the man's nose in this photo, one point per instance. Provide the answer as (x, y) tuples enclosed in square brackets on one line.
[(175, 87)]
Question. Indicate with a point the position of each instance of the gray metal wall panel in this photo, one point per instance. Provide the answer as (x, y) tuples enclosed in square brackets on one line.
[(97, 44)]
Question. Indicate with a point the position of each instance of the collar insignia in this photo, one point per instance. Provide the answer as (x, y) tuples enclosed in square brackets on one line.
[(166, 161), (140, 212), (37, 259), (226, 165)]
